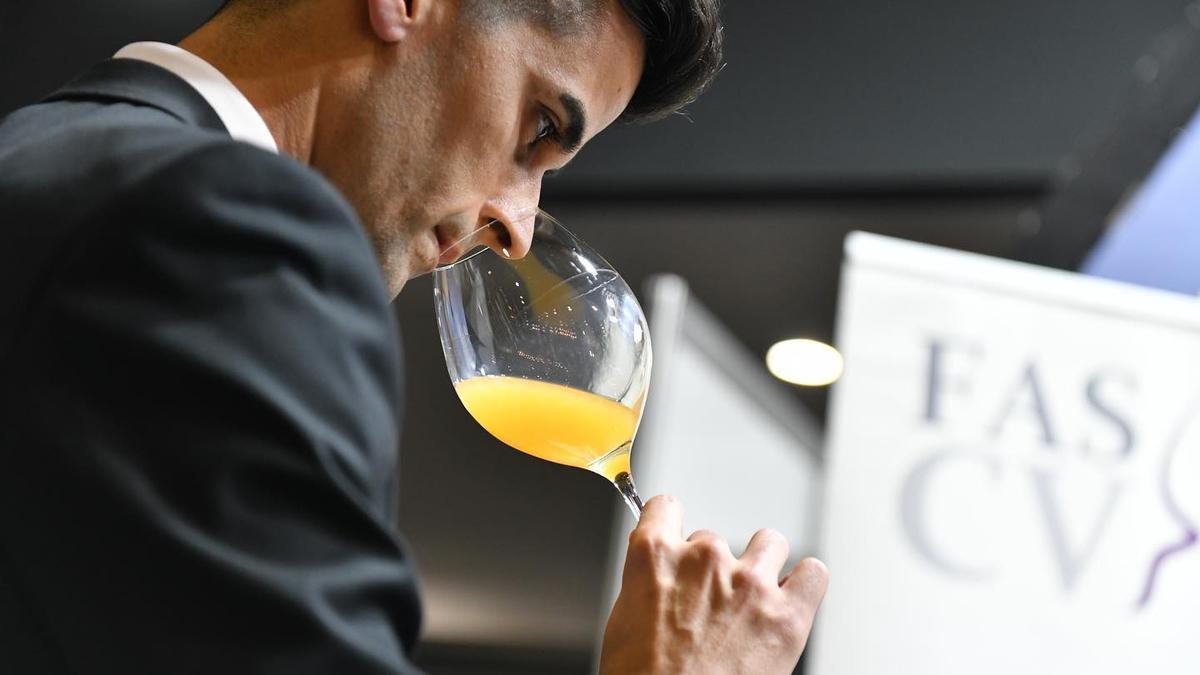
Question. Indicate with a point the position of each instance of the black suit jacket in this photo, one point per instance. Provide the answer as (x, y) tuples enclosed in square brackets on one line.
[(199, 380)]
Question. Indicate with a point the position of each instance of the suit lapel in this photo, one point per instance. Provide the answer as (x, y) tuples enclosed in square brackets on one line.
[(139, 82)]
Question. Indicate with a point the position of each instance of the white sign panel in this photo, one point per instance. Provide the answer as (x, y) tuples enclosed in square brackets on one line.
[(1013, 471)]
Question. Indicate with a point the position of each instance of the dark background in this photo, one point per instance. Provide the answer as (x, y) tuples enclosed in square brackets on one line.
[(933, 120)]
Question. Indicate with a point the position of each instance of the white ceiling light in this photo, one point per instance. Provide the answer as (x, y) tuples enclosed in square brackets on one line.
[(805, 362)]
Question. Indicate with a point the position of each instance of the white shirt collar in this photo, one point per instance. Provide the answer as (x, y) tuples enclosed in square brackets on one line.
[(236, 113)]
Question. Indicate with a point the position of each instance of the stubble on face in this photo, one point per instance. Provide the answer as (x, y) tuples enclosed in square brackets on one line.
[(428, 134)]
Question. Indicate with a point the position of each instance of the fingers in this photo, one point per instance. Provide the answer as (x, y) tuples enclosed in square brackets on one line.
[(766, 553), (709, 547), (658, 534), (701, 535), (806, 583), (662, 519)]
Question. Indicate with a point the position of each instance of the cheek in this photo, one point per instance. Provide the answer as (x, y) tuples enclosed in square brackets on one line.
[(479, 117), (484, 151)]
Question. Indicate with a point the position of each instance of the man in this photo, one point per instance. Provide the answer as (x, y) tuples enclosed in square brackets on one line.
[(200, 373)]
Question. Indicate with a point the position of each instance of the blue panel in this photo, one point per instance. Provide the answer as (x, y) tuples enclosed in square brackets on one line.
[(1155, 240)]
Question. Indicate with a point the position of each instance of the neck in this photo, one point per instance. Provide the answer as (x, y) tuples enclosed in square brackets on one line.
[(282, 65)]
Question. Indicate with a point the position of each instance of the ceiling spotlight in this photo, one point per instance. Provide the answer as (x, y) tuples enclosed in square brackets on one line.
[(805, 362)]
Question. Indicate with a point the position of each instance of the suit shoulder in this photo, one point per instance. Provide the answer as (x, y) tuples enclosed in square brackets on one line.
[(247, 173), (216, 177), (248, 201)]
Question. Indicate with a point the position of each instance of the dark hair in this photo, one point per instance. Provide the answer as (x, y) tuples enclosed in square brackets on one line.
[(684, 41)]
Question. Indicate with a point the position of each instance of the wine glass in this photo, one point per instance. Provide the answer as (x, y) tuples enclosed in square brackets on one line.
[(550, 353)]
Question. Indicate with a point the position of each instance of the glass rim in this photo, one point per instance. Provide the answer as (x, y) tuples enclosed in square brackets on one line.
[(480, 248), (538, 216)]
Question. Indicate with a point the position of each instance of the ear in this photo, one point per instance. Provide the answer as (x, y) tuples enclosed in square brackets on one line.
[(391, 19)]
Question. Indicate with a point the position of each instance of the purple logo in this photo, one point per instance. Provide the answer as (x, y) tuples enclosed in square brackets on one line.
[(1024, 402), (1187, 525)]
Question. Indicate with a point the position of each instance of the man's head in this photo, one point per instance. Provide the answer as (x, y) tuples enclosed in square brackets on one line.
[(435, 117)]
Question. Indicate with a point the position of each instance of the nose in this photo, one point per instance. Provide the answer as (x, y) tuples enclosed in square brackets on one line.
[(512, 220)]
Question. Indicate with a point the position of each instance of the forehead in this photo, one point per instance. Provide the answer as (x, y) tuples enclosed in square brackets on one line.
[(559, 17)]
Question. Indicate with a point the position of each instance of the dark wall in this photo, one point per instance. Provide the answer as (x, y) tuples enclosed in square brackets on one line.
[(43, 44), (871, 90), (815, 91)]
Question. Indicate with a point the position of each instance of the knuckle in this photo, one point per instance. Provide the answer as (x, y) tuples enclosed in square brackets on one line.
[(774, 537), (767, 539), (743, 582), (747, 582), (646, 546), (711, 550), (637, 538)]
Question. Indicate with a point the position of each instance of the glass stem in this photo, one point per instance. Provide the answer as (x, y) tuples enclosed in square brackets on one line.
[(624, 483)]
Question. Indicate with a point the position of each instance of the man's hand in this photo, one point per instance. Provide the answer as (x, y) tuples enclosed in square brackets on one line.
[(692, 607)]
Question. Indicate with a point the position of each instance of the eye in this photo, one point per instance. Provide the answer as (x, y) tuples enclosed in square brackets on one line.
[(547, 129)]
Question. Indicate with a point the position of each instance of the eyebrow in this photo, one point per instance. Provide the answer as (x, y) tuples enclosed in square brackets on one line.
[(572, 135)]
